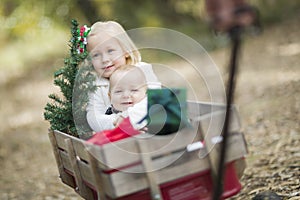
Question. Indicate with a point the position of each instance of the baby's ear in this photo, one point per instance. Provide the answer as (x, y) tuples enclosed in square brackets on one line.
[(108, 94)]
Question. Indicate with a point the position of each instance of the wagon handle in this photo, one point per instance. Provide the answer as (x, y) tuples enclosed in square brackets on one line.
[(235, 35), (232, 17)]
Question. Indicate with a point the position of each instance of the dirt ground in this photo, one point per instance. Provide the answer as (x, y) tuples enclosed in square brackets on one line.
[(267, 94)]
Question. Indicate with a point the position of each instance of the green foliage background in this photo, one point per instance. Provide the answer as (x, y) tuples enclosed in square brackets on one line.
[(39, 30), (22, 18)]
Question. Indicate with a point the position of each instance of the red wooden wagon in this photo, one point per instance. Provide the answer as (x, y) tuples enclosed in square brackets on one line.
[(178, 166)]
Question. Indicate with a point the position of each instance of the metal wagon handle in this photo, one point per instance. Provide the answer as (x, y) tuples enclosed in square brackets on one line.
[(232, 17)]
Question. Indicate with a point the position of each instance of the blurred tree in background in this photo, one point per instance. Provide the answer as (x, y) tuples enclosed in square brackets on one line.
[(19, 17), (32, 31)]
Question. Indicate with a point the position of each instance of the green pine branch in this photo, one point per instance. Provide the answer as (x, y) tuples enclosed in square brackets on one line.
[(67, 113)]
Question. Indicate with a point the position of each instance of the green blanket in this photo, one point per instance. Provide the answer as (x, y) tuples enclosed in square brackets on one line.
[(167, 110)]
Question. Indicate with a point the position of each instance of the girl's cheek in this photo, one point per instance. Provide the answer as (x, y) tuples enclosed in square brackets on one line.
[(121, 61), (96, 65)]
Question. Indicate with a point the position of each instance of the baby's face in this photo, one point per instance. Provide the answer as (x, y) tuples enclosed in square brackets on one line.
[(127, 90), (106, 53)]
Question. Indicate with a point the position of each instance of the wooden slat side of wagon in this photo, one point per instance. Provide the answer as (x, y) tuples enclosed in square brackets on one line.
[(154, 167)]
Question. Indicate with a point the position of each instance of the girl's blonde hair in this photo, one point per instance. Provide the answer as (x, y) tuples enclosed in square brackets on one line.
[(115, 30)]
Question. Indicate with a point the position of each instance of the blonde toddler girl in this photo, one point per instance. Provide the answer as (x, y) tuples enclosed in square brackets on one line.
[(109, 47)]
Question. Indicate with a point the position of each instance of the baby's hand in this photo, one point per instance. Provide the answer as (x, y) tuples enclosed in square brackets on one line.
[(144, 130), (121, 117), (118, 120)]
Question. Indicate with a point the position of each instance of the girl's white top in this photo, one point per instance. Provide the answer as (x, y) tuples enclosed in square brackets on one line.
[(99, 102)]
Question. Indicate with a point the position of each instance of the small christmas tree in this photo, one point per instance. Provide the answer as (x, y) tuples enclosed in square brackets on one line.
[(67, 113)]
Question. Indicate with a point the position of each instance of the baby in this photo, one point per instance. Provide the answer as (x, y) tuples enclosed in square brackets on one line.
[(128, 87)]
